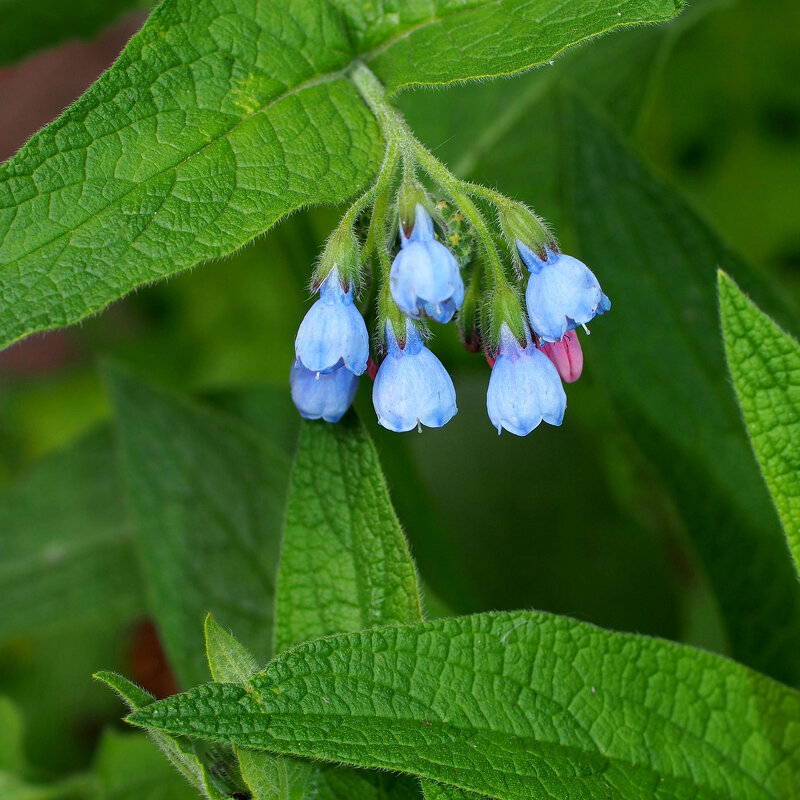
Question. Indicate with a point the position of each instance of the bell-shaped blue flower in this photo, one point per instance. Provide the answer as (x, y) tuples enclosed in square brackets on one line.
[(524, 387), (425, 276), (412, 387), (333, 333), (562, 294), (322, 395)]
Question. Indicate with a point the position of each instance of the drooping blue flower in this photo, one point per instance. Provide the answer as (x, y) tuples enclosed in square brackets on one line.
[(322, 395), (333, 333), (562, 294), (425, 274), (524, 387), (412, 386)]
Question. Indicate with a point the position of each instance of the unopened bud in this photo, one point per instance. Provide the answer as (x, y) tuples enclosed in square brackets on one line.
[(519, 223), (411, 194), (341, 253), (566, 355), (505, 306)]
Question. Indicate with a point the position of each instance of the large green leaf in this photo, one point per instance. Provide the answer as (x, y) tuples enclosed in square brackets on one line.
[(31, 25), (765, 364), (661, 358), (515, 705), (345, 563), (344, 566), (207, 498), (220, 118), (66, 555)]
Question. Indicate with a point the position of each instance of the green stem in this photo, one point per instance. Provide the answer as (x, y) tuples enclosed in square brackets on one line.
[(376, 234), (395, 129)]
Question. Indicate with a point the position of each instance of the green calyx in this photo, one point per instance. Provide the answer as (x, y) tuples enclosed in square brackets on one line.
[(411, 194), (504, 306), (341, 253), (519, 223), (389, 312)]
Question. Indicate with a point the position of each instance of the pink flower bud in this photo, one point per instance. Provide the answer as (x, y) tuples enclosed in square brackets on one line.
[(566, 355)]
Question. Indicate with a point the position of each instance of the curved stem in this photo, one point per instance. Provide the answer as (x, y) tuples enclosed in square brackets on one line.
[(396, 130), (455, 189), (376, 233)]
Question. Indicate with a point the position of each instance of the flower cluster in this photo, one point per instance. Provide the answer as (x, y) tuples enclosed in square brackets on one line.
[(530, 354), (436, 260)]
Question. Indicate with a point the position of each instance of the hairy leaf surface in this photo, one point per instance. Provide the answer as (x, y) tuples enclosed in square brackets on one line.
[(345, 563), (515, 705), (765, 364)]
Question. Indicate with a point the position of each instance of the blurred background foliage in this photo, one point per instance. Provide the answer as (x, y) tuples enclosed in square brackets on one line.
[(658, 154)]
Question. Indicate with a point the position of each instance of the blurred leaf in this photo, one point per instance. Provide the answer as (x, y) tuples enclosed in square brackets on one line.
[(131, 768), (661, 358), (30, 26), (13, 767), (69, 586), (65, 551), (516, 705), (207, 497), (62, 727), (765, 365), (12, 758), (194, 760)]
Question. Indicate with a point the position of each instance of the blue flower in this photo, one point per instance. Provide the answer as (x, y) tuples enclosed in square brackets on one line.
[(524, 387), (412, 386), (325, 395), (425, 274), (562, 294), (333, 333)]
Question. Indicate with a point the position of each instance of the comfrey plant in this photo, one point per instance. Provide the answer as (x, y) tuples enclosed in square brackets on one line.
[(427, 230)]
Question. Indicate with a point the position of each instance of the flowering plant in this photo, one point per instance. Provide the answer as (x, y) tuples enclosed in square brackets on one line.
[(245, 556)]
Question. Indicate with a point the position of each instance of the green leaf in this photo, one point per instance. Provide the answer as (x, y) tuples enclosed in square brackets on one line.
[(660, 356), (12, 758), (344, 566), (515, 705), (66, 555), (29, 26), (426, 44), (765, 365), (220, 119), (207, 498), (228, 659), (198, 762), (345, 563)]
